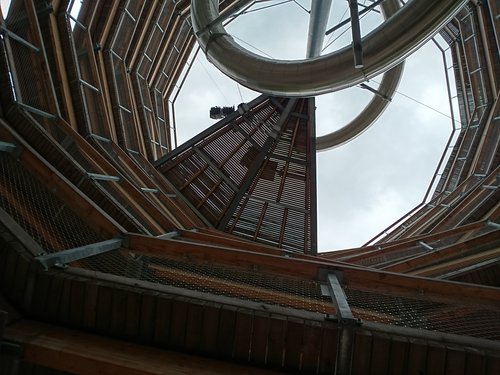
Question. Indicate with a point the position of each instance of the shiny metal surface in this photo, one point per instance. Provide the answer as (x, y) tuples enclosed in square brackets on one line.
[(385, 47), (318, 20), (367, 117)]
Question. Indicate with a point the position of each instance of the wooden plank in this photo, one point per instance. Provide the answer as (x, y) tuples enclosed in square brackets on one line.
[(40, 295), (493, 366), (475, 363), (194, 326), (294, 343), (133, 312), (178, 322), (210, 327), (260, 334), (276, 341), (148, 312), (77, 301), (10, 271), (399, 351), (417, 358), (90, 305), (104, 308), (311, 346), (118, 311), (381, 349), (88, 354), (225, 336), (163, 318), (455, 362), (436, 360), (243, 335), (19, 284), (55, 293), (3, 323), (329, 343), (63, 313), (362, 353)]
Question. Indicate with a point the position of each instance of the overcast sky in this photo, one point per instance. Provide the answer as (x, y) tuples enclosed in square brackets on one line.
[(367, 184)]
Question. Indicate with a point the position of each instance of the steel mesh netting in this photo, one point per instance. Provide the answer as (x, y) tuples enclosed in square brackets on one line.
[(48, 220), (213, 278), (425, 313)]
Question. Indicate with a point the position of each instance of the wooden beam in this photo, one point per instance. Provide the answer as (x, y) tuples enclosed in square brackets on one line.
[(489, 240), (3, 323), (87, 354)]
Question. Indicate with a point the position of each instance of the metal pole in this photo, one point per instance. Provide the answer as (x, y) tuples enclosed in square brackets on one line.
[(318, 20), (357, 47)]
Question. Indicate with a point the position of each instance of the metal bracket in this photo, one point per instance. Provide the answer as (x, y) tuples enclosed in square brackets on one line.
[(7, 147), (149, 190), (62, 258), (347, 324), (425, 246), (102, 177)]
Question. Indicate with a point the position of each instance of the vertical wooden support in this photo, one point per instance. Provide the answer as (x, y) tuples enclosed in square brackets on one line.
[(3, 323)]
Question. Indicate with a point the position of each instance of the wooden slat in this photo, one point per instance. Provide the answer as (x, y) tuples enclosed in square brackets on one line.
[(380, 357), (178, 322), (493, 366), (475, 363), (260, 334), (147, 319), (163, 318), (133, 312), (225, 337), (90, 305), (54, 297), (194, 326), (77, 301), (210, 327), (63, 313), (436, 360), (417, 358), (243, 334), (311, 346), (40, 295), (87, 354), (276, 341), (362, 354), (19, 283), (455, 361), (399, 351), (104, 308), (329, 344), (118, 311), (294, 343)]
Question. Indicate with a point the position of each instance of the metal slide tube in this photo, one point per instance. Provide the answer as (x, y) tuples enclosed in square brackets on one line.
[(383, 48), (368, 116)]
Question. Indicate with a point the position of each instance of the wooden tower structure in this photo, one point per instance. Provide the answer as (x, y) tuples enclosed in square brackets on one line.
[(122, 254)]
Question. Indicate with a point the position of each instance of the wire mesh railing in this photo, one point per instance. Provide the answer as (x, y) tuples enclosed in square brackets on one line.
[(214, 279), (467, 319), (46, 218)]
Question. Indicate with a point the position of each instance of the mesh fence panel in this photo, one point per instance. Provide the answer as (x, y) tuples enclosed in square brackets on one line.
[(213, 278), (47, 219), (466, 319)]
